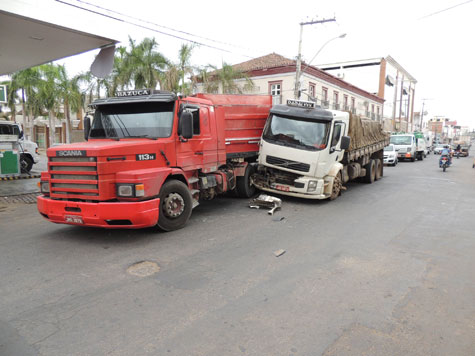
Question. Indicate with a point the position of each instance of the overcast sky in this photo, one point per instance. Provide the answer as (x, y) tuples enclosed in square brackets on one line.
[(434, 46)]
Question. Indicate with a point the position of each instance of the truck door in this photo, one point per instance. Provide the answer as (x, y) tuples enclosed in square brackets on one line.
[(339, 129), (200, 151)]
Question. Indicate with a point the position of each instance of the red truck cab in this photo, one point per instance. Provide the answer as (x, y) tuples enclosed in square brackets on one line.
[(150, 156)]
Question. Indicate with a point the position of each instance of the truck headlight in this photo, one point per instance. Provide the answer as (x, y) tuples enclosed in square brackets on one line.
[(44, 187), (312, 186), (130, 190)]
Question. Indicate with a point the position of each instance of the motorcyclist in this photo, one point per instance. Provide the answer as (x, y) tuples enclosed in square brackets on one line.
[(446, 152)]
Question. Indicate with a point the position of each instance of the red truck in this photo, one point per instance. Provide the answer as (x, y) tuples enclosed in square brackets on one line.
[(150, 156)]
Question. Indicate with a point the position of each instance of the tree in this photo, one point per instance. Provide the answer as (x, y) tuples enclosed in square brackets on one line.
[(224, 79), (26, 81), (69, 92), (142, 66), (49, 95), (177, 72), (12, 96)]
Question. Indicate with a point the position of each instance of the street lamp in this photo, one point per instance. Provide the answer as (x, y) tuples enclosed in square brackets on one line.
[(315, 56)]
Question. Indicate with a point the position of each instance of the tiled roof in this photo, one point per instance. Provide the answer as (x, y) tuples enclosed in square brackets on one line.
[(269, 61)]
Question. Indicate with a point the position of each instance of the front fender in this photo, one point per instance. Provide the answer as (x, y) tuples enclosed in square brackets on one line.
[(337, 167)]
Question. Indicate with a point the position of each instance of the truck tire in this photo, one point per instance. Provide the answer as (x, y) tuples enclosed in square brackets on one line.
[(413, 159), (175, 206), (26, 163), (244, 188), (378, 169), (420, 156), (336, 188), (370, 172)]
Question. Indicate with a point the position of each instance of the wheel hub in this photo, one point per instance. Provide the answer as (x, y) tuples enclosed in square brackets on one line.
[(174, 205)]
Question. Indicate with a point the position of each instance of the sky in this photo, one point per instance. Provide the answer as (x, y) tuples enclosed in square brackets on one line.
[(433, 40)]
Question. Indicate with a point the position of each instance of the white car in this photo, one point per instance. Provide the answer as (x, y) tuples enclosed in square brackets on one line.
[(390, 155)]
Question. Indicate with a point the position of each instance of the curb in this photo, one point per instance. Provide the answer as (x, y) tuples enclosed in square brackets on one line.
[(36, 175)]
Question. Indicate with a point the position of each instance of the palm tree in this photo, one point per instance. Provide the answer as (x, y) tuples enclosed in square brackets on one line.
[(176, 72), (225, 79), (69, 92), (143, 65), (26, 80), (49, 95), (184, 56), (12, 96)]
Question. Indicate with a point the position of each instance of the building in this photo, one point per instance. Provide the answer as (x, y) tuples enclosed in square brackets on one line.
[(274, 74), (387, 79)]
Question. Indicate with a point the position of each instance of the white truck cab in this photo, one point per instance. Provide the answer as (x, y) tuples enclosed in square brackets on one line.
[(405, 145), (28, 149)]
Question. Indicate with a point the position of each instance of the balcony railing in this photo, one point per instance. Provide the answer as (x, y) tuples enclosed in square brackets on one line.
[(325, 104), (336, 106)]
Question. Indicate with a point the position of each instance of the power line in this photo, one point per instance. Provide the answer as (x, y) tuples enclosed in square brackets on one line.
[(440, 11), (161, 26), (151, 29)]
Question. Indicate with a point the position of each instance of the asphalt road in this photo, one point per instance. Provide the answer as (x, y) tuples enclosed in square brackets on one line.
[(386, 269)]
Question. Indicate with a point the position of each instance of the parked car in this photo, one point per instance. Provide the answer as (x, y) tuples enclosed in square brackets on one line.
[(390, 155)]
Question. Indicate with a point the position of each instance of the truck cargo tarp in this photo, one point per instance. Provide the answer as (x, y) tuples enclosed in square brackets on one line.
[(364, 132)]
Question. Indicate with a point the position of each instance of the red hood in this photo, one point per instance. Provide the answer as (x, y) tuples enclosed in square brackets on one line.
[(109, 147)]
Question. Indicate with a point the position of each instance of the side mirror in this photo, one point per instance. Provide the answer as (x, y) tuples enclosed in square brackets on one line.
[(345, 142), (186, 124), (20, 135), (87, 127)]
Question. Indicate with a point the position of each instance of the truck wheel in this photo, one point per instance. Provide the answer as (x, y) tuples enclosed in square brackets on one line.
[(378, 169), (370, 172), (175, 206), (413, 159), (421, 157), (26, 163), (243, 184), (336, 189)]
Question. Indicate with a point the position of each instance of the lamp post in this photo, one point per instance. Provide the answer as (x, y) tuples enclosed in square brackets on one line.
[(297, 85), (299, 56)]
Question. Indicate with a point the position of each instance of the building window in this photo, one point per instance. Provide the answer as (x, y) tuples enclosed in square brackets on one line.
[(324, 97), (336, 104), (353, 109), (345, 102), (275, 89), (311, 90)]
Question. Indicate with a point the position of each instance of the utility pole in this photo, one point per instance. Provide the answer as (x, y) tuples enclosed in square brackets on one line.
[(299, 56), (422, 116)]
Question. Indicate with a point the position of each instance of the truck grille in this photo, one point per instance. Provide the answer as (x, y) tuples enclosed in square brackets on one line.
[(285, 163), (74, 177)]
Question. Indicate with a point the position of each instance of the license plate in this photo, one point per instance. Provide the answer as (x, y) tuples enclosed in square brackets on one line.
[(282, 188), (73, 219)]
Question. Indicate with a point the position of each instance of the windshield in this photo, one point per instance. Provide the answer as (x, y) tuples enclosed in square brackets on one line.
[(389, 148), (152, 120), (309, 135), (401, 140)]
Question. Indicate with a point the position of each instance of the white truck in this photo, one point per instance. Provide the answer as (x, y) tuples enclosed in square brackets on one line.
[(28, 149), (309, 152), (408, 146)]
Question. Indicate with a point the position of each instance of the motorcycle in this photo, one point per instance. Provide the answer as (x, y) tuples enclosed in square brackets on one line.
[(444, 162)]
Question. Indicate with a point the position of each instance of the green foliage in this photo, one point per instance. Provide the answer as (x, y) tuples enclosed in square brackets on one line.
[(215, 80)]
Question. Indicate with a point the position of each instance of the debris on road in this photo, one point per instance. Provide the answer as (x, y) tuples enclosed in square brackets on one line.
[(278, 218), (265, 201), (143, 269), (279, 253)]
